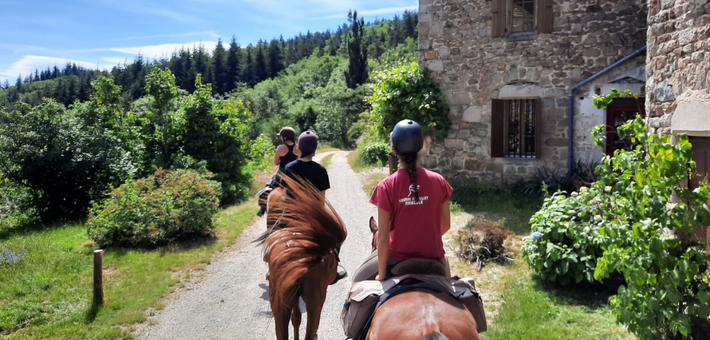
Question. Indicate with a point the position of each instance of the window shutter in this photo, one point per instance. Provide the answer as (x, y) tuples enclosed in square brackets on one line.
[(499, 15), (498, 128), (538, 128), (545, 17)]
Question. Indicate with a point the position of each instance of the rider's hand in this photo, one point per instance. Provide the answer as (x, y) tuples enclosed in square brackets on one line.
[(380, 277)]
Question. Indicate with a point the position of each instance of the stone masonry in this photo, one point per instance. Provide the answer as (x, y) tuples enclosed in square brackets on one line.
[(473, 68), (678, 60)]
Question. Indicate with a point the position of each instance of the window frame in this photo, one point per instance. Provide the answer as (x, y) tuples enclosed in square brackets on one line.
[(500, 128), (510, 18)]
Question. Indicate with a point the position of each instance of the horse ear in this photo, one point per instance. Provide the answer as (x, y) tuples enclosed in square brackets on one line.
[(373, 225)]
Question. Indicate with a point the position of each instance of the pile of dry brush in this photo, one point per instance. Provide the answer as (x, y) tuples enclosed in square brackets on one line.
[(481, 241)]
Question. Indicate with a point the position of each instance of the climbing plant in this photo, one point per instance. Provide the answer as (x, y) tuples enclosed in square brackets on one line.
[(405, 92)]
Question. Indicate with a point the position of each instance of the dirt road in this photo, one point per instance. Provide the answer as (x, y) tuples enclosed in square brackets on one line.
[(231, 300)]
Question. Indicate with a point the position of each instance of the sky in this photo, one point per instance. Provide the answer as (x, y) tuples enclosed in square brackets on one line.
[(102, 33)]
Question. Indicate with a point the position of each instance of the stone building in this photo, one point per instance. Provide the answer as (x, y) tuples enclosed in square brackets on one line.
[(678, 71), (507, 68)]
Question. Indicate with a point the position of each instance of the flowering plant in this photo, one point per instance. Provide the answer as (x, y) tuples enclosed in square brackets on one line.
[(8, 257)]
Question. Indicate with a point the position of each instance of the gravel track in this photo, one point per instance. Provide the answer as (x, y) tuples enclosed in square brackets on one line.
[(231, 299)]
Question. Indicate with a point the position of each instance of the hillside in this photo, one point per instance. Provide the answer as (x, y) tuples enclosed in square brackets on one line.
[(227, 67)]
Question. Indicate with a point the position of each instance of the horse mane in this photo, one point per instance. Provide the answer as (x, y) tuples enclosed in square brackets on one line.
[(312, 231)]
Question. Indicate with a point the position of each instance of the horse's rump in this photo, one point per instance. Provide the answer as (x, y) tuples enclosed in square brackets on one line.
[(307, 231)]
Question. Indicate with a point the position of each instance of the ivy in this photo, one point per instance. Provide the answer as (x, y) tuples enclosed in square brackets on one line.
[(405, 92)]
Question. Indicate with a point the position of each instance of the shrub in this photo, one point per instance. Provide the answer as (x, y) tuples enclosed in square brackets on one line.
[(216, 132), (566, 242), (67, 160), (161, 208), (261, 154), (482, 241), (666, 295), (375, 153), (15, 204), (405, 92)]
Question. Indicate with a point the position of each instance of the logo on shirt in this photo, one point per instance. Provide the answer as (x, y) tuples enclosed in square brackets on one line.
[(411, 189), (411, 198)]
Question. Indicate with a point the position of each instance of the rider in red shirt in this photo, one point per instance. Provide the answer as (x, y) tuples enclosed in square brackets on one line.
[(413, 209)]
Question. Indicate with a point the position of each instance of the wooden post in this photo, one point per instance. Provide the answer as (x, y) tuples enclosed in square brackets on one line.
[(98, 277), (393, 163)]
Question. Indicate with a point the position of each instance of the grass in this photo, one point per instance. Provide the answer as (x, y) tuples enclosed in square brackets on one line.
[(496, 204), (357, 164), (326, 160), (529, 310), (49, 294)]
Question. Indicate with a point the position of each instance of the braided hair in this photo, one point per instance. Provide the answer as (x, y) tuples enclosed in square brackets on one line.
[(410, 163)]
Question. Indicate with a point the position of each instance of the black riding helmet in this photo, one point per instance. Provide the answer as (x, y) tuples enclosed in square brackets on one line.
[(308, 142), (407, 137)]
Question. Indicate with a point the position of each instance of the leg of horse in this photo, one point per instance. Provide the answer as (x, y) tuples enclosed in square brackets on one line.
[(313, 289), (296, 320), (281, 320)]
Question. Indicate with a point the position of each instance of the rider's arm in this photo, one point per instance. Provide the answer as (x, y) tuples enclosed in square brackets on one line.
[(445, 217), (383, 242), (277, 155)]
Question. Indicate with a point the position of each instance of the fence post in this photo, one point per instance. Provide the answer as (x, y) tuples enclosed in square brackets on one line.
[(98, 277)]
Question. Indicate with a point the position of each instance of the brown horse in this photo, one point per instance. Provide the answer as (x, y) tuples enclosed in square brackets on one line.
[(299, 246), (421, 314)]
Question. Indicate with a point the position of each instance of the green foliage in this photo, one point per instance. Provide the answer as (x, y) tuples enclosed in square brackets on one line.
[(375, 153), (216, 132), (16, 206), (666, 273), (155, 210), (165, 122), (568, 244), (357, 52), (645, 216), (261, 154), (405, 92), (66, 160)]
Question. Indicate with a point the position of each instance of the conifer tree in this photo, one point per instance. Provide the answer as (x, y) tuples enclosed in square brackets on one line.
[(219, 68), (247, 74), (233, 56), (357, 52), (275, 63), (260, 72)]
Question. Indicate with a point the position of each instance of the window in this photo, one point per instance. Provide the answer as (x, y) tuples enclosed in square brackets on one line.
[(617, 115), (521, 16), (516, 128)]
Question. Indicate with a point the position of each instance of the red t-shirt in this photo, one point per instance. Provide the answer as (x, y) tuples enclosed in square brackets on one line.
[(415, 227)]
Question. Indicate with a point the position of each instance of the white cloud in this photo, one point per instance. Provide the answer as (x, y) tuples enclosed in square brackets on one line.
[(29, 63), (117, 60), (163, 50), (211, 34), (376, 12)]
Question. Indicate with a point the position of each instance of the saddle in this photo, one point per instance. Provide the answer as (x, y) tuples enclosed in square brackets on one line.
[(367, 296)]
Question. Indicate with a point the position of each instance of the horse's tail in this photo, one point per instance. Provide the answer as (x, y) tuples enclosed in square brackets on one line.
[(314, 231), (435, 336)]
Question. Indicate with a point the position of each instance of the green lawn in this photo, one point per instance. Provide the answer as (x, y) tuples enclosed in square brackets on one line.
[(495, 204), (48, 295)]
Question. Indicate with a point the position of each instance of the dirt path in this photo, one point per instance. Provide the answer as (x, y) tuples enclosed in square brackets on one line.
[(231, 301)]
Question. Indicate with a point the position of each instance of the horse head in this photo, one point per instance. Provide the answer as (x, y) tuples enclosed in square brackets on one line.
[(375, 232)]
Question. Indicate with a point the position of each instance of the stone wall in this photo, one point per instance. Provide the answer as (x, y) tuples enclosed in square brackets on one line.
[(678, 64), (472, 68)]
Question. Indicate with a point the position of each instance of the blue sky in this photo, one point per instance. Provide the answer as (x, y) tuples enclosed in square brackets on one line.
[(102, 33)]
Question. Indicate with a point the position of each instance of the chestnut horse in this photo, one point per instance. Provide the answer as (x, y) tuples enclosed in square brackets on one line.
[(421, 314), (299, 246)]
